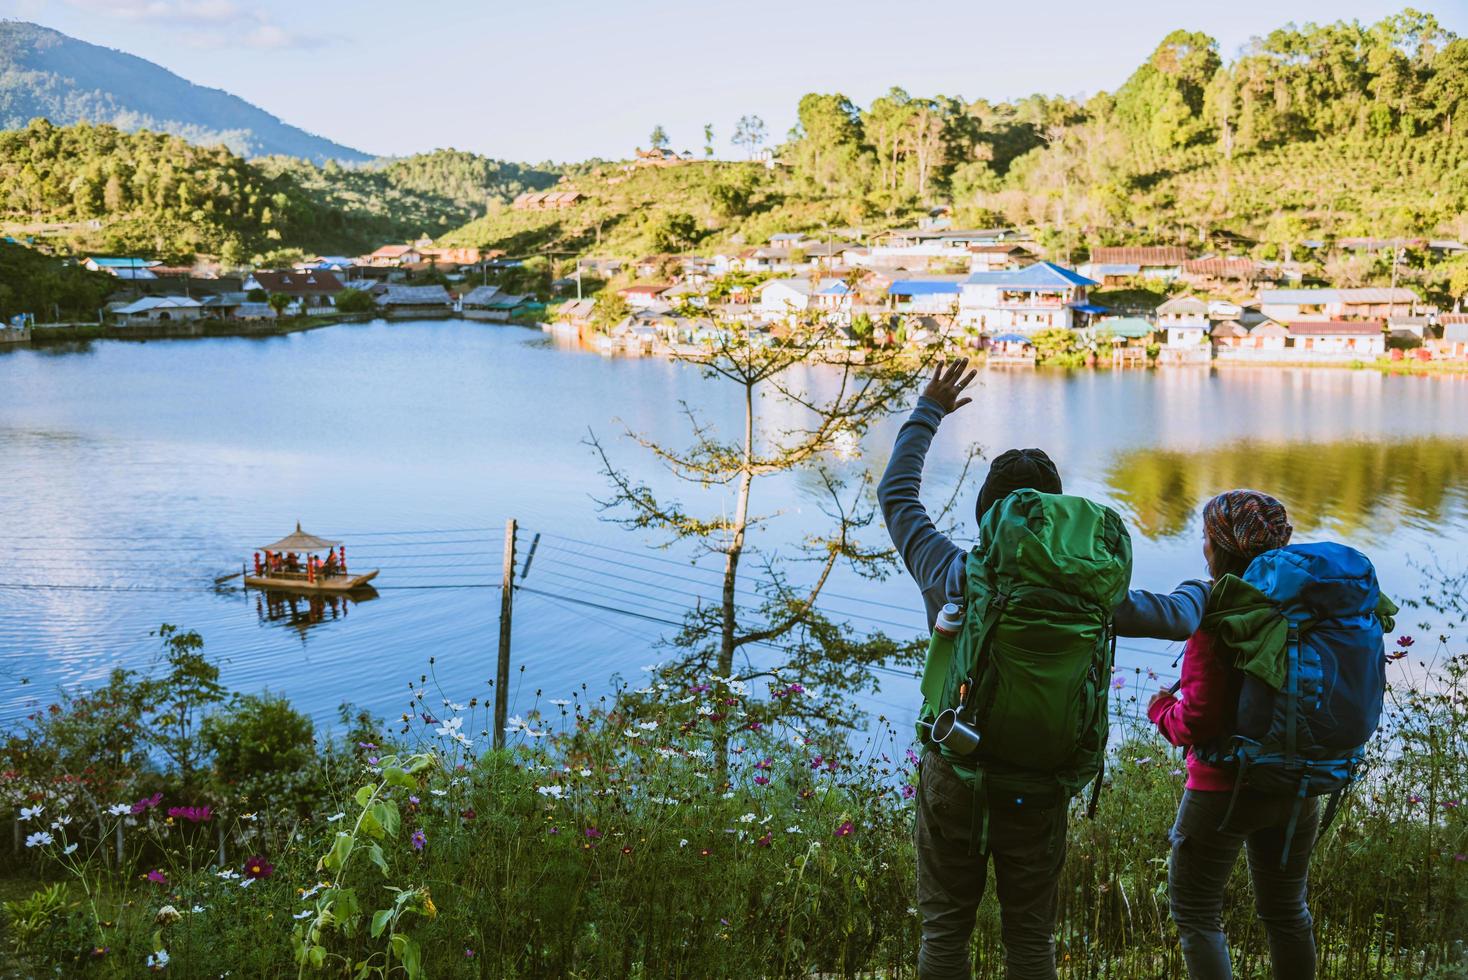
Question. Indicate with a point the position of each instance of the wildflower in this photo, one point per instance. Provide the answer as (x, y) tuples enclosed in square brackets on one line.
[(167, 915), (632, 733), (157, 961), (1414, 798), (419, 840), (157, 877), (817, 762), (306, 893), (627, 849), (908, 791), (793, 830), (1118, 682), (468, 953), (683, 842), (761, 780), (69, 850), (846, 829), (193, 814), (555, 792), (748, 818), (146, 803), (228, 874), (40, 838), (586, 772), (439, 792), (912, 757), (100, 951), (755, 726), (648, 726), (1460, 857), (468, 815), (1405, 641), (705, 853), (592, 833), (304, 914), (335, 817), (366, 745), (257, 867), (766, 840), (197, 908), (31, 812), (117, 809), (61, 821)]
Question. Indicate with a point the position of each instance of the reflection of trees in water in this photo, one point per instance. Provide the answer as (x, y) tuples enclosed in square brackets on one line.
[(1347, 487)]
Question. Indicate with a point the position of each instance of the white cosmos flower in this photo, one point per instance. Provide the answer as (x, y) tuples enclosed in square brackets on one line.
[(30, 812), (586, 772), (69, 849), (335, 817), (704, 709), (653, 668), (39, 839), (304, 914), (536, 733), (648, 726), (197, 908), (61, 821), (643, 690), (246, 883), (120, 809), (158, 960), (748, 818), (632, 733), (683, 842), (793, 830), (515, 724), (227, 874), (439, 792), (559, 702), (552, 791)]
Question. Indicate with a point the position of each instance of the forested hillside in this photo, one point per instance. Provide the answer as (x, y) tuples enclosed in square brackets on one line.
[(44, 73), (1318, 131)]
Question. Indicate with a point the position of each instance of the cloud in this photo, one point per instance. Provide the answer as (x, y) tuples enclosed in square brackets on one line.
[(206, 23)]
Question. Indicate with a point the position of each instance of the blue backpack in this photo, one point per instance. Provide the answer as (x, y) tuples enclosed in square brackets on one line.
[(1308, 737)]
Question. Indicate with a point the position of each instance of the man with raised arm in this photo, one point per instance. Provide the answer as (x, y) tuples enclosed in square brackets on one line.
[(965, 816)]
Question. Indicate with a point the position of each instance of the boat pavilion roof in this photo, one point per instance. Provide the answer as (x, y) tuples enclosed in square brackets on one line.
[(300, 541)]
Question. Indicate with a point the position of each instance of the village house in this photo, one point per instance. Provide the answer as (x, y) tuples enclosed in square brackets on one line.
[(1229, 334), (927, 295), (1214, 272), (492, 303), (339, 265), (398, 300), (782, 297), (1185, 322), (546, 200), (309, 291), (990, 258), (1289, 305), (1112, 266), (122, 267), (575, 314), (391, 257), (1339, 338), (159, 309), (833, 296), (917, 249), (1037, 297), (645, 296), (1454, 341)]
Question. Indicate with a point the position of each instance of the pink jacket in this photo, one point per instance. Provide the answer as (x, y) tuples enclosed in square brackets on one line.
[(1202, 710)]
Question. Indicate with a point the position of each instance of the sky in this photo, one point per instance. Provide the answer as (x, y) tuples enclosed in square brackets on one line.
[(563, 80)]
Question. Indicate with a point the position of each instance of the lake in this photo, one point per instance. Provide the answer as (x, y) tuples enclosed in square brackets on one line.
[(132, 474)]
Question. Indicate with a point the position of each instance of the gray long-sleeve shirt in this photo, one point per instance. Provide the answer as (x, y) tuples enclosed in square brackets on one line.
[(938, 564)]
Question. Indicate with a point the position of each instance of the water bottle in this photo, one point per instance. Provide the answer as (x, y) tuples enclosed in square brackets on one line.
[(940, 655)]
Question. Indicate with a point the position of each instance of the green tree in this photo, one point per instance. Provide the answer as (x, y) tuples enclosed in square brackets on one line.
[(658, 140), (708, 139), (278, 302), (749, 133)]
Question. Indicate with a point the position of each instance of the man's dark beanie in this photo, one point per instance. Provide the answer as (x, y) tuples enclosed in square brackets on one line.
[(1017, 469)]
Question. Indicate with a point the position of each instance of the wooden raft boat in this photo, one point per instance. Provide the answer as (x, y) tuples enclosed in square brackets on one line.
[(280, 566)]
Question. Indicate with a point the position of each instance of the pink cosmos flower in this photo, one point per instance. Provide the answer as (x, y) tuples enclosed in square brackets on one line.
[(846, 829), (157, 877), (147, 803)]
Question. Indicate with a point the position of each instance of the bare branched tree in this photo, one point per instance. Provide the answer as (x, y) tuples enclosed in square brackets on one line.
[(779, 635)]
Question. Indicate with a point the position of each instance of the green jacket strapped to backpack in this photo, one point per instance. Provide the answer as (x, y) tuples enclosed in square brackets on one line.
[(1031, 667)]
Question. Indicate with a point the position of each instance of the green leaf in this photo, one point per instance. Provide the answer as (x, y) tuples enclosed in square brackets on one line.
[(389, 817), (380, 919), (363, 795), (369, 823), (412, 957), (375, 853), (341, 849), (318, 957), (398, 777)]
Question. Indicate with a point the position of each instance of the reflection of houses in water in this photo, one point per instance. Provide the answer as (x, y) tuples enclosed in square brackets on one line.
[(303, 611)]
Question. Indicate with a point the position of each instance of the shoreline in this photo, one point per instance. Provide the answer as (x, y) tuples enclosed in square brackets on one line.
[(43, 335)]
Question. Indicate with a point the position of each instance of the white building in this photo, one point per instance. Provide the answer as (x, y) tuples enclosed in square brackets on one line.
[(1037, 297), (1185, 320)]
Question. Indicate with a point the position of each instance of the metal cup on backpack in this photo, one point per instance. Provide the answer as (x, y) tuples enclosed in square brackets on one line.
[(954, 734)]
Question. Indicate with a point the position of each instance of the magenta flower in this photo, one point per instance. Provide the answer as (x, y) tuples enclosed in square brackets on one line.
[(1118, 682), (147, 803), (157, 877), (763, 764), (846, 829), (912, 757), (592, 833), (419, 840), (193, 814), (257, 868), (817, 762), (766, 840), (908, 791), (468, 953), (1405, 641), (1414, 798), (761, 780)]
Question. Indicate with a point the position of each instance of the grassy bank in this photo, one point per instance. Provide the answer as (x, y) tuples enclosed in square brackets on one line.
[(605, 841)]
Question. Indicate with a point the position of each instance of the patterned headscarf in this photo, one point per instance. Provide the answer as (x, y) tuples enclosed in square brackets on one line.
[(1246, 523)]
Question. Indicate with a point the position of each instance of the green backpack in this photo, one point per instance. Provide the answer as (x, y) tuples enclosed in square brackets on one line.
[(1031, 667)]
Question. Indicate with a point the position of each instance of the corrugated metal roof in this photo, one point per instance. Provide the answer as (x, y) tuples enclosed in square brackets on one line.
[(1318, 328), (1141, 255), (1041, 275), (923, 287)]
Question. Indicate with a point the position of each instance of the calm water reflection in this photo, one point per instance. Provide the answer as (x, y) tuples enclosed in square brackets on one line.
[(134, 474)]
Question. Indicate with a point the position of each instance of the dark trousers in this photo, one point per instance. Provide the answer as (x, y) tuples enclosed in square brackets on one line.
[(1203, 857), (1027, 843)]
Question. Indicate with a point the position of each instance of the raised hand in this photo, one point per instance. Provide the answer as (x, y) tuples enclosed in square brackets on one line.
[(948, 383)]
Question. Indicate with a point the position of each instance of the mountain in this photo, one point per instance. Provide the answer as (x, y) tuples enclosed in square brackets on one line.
[(46, 73)]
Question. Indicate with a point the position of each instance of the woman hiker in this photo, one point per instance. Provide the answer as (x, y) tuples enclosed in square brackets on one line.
[(1206, 838)]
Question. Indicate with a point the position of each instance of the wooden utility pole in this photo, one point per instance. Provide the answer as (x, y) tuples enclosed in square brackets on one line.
[(507, 604)]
